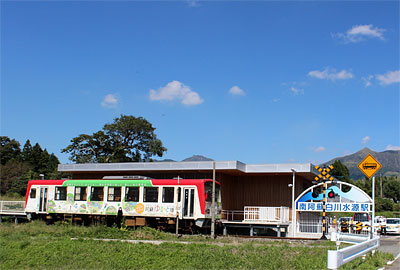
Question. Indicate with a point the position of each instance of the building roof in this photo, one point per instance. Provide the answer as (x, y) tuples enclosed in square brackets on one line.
[(189, 166)]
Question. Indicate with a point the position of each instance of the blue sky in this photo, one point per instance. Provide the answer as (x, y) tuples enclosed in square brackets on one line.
[(259, 82)]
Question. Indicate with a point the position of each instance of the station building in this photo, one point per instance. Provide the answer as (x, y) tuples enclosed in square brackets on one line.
[(254, 196)]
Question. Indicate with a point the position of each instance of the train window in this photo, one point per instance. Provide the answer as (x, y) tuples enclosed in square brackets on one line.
[(61, 193), (150, 194), (32, 195), (179, 194), (132, 194), (97, 194), (114, 194), (80, 194), (208, 191), (168, 195)]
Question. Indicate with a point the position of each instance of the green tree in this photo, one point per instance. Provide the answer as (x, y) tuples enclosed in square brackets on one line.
[(9, 150), (341, 172), (126, 139), (383, 204), (11, 172), (17, 167), (27, 152), (391, 189)]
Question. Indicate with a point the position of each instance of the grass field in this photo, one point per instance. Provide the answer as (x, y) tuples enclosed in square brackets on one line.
[(39, 246)]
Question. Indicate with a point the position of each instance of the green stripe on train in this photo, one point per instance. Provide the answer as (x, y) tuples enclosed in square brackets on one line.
[(108, 183)]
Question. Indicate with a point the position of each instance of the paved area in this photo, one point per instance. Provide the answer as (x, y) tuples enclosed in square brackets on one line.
[(391, 244)]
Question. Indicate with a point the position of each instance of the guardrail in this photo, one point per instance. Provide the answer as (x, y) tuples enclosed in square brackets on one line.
[(12, 207), (266, 214), (336, 258)]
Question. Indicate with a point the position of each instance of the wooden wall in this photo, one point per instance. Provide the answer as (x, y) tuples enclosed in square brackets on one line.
[(259, 190)]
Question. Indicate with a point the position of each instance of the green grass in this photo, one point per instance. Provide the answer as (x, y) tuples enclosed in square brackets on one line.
[(11, 197), (39, 246)]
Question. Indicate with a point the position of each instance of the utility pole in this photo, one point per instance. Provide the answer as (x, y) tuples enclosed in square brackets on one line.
[(177, 210), (213, 204)]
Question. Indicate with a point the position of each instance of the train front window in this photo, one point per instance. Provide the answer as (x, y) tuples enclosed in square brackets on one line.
[(97, 194), (32, 195), (208, 191), (114, 194), (61, 194), (150, 194), (132, 194)]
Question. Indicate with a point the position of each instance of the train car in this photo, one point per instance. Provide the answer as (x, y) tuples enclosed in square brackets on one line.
[(141, 200)]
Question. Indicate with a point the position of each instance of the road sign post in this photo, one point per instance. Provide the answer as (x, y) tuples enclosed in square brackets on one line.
[(370, 166)]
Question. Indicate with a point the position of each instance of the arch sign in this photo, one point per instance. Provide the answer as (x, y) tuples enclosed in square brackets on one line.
[(337, 200)]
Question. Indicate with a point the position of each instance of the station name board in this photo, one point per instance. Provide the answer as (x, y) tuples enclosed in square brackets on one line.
[(334, 207)]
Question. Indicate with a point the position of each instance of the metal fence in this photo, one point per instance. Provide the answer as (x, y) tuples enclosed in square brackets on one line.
[(12, 207), (266, 214), (310, 222)]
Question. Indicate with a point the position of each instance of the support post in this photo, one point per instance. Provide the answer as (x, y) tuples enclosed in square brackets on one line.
[(323, 213), (177, 210), (373, 208), (293, 203), (213, 204)]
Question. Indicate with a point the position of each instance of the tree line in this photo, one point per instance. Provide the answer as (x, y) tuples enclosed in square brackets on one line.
[(18, 166)]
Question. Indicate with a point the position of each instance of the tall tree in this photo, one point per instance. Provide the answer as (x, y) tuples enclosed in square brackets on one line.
[(27, 152), (391, 189), (9, 150), (126, 139)]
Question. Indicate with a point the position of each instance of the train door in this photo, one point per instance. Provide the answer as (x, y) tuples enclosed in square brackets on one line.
[(43, 199), (188, 202)]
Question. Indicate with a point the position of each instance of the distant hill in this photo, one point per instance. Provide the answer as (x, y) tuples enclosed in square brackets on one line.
[(198, 158), (165, 160), (390, 161), (192, 158)]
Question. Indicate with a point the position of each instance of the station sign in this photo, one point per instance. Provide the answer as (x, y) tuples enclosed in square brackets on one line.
[(369, 166), (334, 207)]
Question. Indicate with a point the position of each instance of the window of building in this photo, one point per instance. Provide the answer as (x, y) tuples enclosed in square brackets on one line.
[(150, 194), (32, 195), (114, 194), (168, 195), (61, 194), (97, 194), (80, 194), (132, 194)]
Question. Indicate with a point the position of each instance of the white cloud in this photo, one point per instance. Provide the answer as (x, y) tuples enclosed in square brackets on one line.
[(319, 149), (392, 147), (331, 74), (389, 78), (110, 101), (193, 3), (176, 90), (367, 80), (365, 140), (296, 91), (360, 33), (236, 91), (275, 100)]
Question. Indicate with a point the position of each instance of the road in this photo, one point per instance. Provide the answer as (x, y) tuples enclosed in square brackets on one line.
[(391, 244)]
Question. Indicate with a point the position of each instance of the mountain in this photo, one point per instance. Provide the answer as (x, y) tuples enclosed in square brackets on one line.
[(198, 158), (390, 161)]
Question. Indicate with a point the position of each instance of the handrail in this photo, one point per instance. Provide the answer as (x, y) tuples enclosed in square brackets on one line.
[(266, 214), (336, 258)]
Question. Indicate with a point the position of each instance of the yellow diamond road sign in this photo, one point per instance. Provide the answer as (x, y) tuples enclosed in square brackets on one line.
[(369, 166)]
